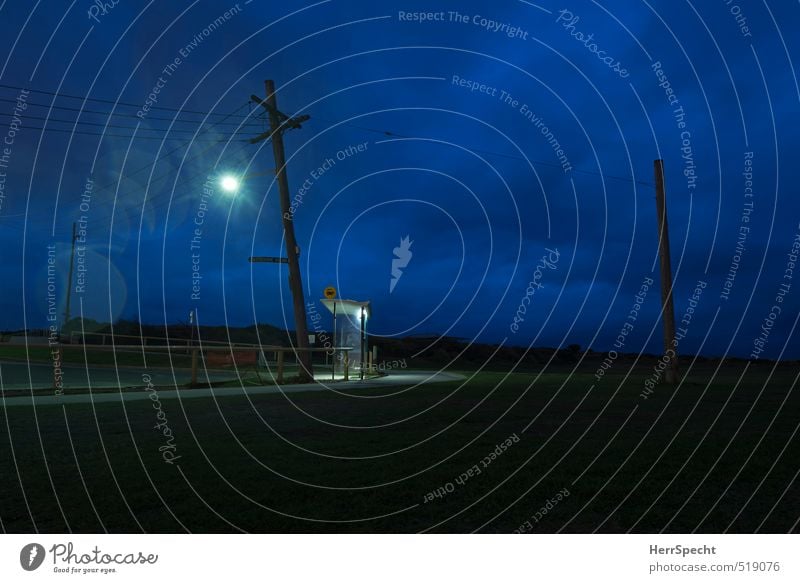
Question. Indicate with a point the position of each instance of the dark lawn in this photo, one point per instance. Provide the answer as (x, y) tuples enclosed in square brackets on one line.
[(323, 462)]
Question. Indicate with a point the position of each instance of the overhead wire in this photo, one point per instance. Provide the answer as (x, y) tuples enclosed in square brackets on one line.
[(125, 114), (115, 103), (488, 152), (115, 126), (241, 124), (187, 143), (154, 203), (362, 128)]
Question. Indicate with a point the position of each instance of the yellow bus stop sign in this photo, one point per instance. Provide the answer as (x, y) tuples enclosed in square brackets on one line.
[(330, 292)]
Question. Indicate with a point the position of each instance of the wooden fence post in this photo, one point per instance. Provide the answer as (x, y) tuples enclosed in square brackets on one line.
[(280, 367), (194, 367)]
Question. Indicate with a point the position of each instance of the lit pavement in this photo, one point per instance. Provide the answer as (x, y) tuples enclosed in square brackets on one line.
[(404, 378)]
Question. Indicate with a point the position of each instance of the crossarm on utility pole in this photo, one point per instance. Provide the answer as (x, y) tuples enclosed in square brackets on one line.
[(277, 123)]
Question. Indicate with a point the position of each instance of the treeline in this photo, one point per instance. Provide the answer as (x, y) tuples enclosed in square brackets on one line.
[(261, 333)]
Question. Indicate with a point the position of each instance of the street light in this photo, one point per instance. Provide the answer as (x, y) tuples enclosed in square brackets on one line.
[(363, 338), (229, 183)]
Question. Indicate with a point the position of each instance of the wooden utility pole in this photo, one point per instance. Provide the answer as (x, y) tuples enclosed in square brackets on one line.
[(279, 123), (69, 281), (668, 311), (363, 337)]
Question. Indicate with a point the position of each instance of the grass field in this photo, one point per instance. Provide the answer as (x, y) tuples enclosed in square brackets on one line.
[(326, 462)]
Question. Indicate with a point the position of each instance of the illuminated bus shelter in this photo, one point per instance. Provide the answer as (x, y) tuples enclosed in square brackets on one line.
[(350, 330)]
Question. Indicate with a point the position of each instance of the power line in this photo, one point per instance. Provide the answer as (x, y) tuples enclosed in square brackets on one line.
[(97, 124), (188, 143), (105, 135), (131, 115), (354, 126), (154, 202), (491, 153), (108, 101), (172, 151), (139, 128)]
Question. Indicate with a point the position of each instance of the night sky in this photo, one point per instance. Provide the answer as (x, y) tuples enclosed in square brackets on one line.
[(511, 142)]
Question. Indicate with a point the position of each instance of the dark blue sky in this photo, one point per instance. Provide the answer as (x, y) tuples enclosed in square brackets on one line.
[(473, 177)]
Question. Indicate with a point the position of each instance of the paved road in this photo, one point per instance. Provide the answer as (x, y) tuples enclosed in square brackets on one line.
[(404, 378)]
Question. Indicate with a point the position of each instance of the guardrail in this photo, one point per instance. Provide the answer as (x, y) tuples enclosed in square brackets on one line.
[(196, 350), (76, 337)]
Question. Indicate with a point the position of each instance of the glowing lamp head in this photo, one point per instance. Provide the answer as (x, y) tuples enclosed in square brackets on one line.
[(229, 183)]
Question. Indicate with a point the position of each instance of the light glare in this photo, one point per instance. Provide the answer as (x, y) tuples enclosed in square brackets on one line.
[(230, 183)]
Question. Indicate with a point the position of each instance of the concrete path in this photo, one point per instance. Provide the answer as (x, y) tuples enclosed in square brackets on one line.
[(396, 378)]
